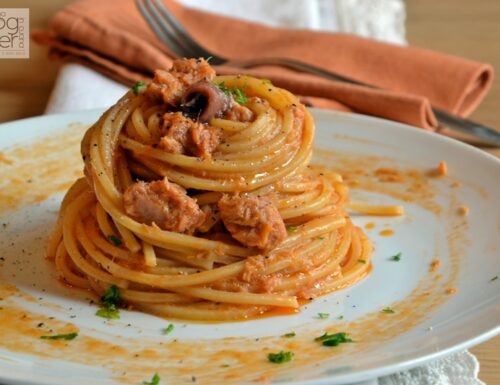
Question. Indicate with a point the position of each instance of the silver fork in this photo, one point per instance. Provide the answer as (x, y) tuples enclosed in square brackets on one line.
[(180, 42)]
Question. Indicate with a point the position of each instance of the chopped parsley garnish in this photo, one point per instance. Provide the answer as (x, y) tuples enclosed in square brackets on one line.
[(155, 380), (109, 312), (289, 335), (388, 310), (362, 261), (267, 81), (66, 337), (494, 278), (281, 357), (396, 258), (112, 296), (110, 301), (168, 329), (321, 238), (115, 240), (323, 315), (240, 96), (223, 88), (291, 228), (334, 339), (238, 93), (340, 317), (139, 87)]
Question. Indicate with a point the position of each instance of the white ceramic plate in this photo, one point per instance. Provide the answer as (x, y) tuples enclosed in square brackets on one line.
[(428, 323)]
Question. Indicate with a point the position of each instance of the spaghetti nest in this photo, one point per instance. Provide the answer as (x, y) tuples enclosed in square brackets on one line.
[(199, 202)]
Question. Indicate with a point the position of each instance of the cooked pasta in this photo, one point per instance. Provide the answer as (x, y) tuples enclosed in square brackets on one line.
[(199, 202)]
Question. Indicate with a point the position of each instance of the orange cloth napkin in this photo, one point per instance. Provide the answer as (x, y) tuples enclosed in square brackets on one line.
[(112, 37)]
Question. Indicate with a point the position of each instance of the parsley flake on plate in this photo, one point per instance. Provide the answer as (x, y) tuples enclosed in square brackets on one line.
[(66, 337), (396, 258), (333, 339), (280, 358), (109, 312), (155, 380), (387, 310), (323, 315), (168, 329), (289, 335), (110, 301)]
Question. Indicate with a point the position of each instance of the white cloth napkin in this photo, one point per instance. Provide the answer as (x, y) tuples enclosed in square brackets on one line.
[(79, 88)]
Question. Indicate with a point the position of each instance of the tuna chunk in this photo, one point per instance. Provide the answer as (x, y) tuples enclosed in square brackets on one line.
[(169, 86), (190, 71), (164, 203), (254, 222), (185, 136)]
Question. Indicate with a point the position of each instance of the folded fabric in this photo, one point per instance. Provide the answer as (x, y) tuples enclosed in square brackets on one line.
[(113, 38)]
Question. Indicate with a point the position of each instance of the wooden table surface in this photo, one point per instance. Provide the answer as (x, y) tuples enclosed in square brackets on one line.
[(461, 27)]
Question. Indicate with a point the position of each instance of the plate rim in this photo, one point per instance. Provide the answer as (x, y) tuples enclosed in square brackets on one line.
[(372, 373)]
